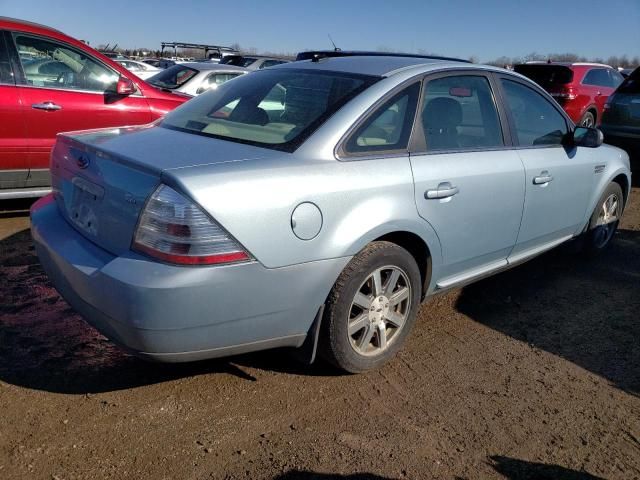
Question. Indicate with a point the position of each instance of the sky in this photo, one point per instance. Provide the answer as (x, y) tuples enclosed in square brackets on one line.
[(486, 29)]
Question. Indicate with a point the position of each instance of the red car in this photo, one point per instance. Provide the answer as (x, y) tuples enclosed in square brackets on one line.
[(581, 88), (51, 83)]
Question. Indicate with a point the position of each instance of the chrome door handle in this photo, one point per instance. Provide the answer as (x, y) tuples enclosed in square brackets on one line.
[(444, 190), (49, 106), (543, 178)]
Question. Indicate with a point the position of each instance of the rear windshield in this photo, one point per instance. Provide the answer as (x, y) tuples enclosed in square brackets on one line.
[(173, 77), (546, 75), (237, 60), (276, 109), (631, 84)]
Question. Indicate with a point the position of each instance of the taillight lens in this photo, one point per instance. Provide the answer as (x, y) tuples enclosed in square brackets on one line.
[(566, 94), (174, 229)]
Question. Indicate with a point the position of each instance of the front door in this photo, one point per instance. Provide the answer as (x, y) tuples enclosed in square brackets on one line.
[(14, 165), (64, 89), (558, 178), (468, 185)]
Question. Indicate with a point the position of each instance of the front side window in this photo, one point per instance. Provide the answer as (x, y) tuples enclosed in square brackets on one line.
[(536, 121), (51, 64), (389, 128), (459, 113), (173, 77), (271, 108)]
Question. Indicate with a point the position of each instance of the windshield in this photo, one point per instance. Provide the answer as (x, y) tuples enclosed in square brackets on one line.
[(277, 109), (173, 77), (546, 75)]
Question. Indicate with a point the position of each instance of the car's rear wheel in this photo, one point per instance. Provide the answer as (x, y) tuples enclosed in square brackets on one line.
[(371, 308), (588, 120), (605, 219)]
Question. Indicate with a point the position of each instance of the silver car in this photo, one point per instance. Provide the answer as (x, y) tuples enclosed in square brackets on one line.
[(194, 78), (317, 204)]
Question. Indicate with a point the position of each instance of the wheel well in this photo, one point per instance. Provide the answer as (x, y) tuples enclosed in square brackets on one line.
[(624, 185), (594, 111), (418, 249)]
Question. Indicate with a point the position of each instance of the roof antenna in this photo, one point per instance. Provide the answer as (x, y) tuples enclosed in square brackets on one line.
[(335, 49)]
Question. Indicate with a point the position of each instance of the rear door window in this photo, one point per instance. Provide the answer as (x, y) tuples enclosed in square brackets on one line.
[(459, 113), (631, 84), (536, 121)]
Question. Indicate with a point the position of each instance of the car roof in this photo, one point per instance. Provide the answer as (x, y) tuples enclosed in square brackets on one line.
[(382, 66), (569, 64), (8, 22), (214, 66)]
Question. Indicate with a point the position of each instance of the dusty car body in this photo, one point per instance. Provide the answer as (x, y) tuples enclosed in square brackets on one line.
[(258, 216)]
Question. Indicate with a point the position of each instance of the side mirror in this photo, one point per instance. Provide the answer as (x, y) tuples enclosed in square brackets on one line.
[(587, 137), (125, 86)]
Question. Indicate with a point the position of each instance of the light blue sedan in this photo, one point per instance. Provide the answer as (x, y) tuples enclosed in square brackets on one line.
[(316, 204)]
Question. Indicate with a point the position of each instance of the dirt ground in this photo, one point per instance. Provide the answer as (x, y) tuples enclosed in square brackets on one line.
[(532, 374)]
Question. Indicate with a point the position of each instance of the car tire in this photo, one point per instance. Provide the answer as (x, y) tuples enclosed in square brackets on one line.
[(588, 120), (604, 220), (371, 308)]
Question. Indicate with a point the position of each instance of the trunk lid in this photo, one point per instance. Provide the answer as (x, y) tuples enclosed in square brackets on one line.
[(102, 178)]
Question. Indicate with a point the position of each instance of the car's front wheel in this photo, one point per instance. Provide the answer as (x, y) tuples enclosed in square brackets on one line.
[(371, 308), (605, 219)]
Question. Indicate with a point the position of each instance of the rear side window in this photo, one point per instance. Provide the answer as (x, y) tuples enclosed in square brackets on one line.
[(389, 128), (598, 77), (459, 112), (546, 75), (6, 73), (536, 121)]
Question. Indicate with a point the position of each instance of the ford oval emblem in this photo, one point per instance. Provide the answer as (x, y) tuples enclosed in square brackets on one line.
[(82, 161)]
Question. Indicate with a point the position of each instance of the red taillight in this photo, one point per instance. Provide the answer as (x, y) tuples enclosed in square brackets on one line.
[(176, 230), (566, 94)]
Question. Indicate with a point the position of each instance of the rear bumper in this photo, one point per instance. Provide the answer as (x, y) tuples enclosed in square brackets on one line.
[(172, 313)]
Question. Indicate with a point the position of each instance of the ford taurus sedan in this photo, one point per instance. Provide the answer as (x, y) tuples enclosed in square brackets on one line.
[(317, 204)]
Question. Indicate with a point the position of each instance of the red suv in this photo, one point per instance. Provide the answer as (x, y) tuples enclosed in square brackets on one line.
[(581, 88), (51, 83)]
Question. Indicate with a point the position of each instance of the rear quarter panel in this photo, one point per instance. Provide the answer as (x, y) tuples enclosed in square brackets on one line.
[(360, 201)]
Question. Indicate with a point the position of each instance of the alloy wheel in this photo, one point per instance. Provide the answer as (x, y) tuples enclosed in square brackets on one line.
[(379, 310)]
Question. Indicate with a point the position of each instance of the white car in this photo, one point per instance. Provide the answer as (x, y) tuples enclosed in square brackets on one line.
[(194, 78), (140, 69)]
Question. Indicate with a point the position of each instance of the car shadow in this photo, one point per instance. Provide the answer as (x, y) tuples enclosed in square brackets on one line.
[(46, 345), (514, 469), (584, 310), (306, 475)]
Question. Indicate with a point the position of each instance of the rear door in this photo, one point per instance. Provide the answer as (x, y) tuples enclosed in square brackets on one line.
[(558, 179), (469, 182), (66, 89), (14, 165)]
